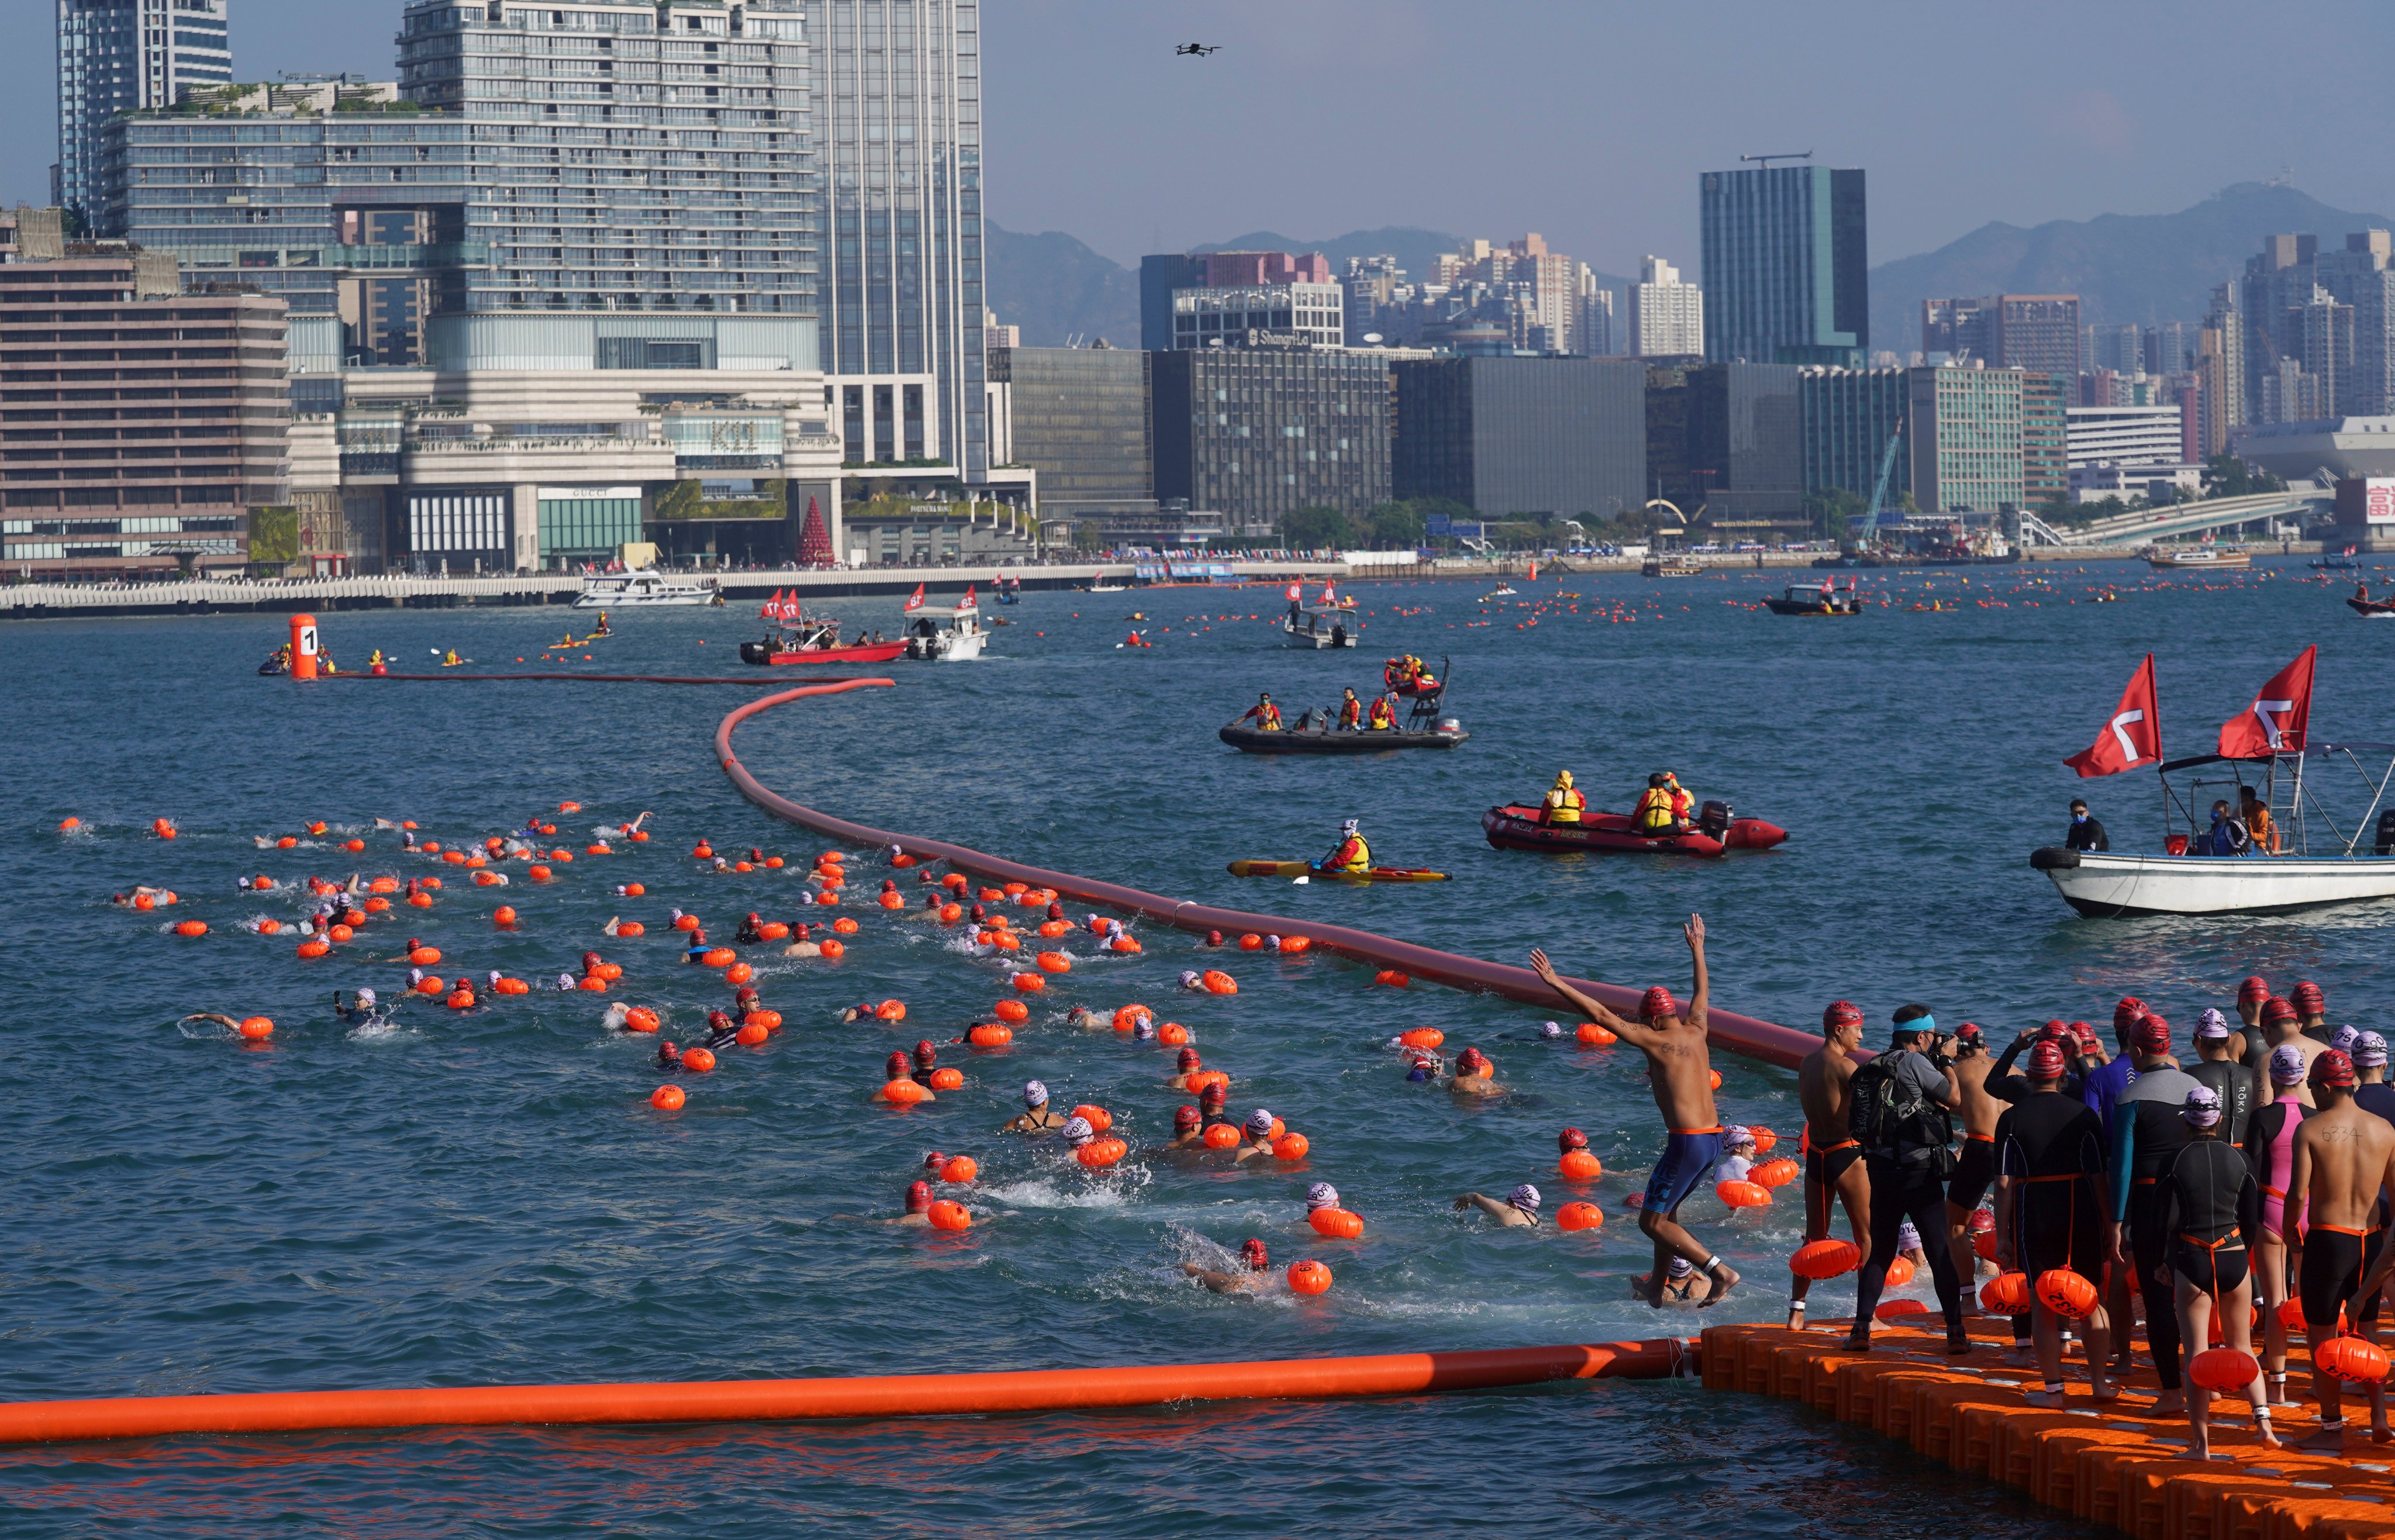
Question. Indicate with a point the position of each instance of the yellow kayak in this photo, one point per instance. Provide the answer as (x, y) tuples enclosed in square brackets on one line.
[(1306, 869)]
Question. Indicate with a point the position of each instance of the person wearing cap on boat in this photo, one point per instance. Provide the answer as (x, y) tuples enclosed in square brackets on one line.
[(1653, 816), (1266, 715), (1353, 853), (1036, 1117), (1254, 1274), (2085, 833), (1683, 802), (2226, 838), (1563, 804), (1519, 1211)]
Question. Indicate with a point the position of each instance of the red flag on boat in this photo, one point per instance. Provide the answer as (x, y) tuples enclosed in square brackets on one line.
[(2276, 721), (2133, 737), (773, 610), (1293, 594), (917, 603), (967, 602), (791, 609), (1326, 596)]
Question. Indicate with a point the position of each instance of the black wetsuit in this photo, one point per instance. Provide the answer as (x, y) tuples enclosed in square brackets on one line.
[(2211, 1207), (2087, 834), (2147, 1133), (2054, 1148), (2233, 1083)]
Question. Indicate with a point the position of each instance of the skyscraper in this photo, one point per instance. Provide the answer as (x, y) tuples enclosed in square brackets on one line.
[(1667, 317), (117, 55), (1785, 266), (2038, 332), (896, 90)]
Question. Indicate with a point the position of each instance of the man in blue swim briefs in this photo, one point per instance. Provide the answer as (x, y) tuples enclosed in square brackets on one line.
[(1681, 1073)]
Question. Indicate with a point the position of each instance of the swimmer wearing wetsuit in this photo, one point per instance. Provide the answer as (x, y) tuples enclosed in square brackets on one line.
[(721, 1031), (1213, 1103), (2217, 1070), (1255, 1264), (2050, 1210), (1036, 1117), (2147, 1134), (927, 1062), (695, 954), (2207, 1204), (747, 934), (1832, 1156), (2344, 1158), (1476, 1074), (1681, 1074), (2270, 1149), (1519, 1211), (358, 1010)]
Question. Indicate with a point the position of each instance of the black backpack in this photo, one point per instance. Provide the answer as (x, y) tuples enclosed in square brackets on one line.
[(1894, 1121)]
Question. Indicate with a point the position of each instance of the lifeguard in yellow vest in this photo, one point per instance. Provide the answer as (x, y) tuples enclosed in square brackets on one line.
[(1683, 802), (1266, 715), (1563, 804), (1654, 816), (1384, 713), (1352, 854)]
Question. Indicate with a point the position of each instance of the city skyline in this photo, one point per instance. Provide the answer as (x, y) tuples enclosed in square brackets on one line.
[(1597, 176)]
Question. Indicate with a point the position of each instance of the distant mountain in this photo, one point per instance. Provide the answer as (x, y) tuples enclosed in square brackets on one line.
[(1414, 249), (2142, 267), (1058, 290)]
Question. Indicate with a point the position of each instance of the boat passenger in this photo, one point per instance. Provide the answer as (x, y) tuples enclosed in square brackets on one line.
[(1255, 1267), (1353, 853), (1351, 712), (1684, 801), (1652, 816), (1384, 713), (2259, 824), (1266, 715), (2226, 836), (2085, 833), (1563, 804)]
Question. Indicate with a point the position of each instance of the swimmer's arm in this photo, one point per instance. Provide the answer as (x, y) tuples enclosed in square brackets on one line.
[(212, 1016), (2125, 1149), (1695, 932), (2378, 1275), (2005, 1196), (1490, 1206), (1582, 1003), (2299, 1189)]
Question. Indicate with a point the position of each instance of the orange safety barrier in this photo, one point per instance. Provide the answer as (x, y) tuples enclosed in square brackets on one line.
[(1767, 1041), (873, 1396)]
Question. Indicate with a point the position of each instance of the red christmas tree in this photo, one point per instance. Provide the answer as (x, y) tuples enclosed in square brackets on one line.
[(814, 541)]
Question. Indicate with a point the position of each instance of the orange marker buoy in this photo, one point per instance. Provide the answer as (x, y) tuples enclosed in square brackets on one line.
[(751, 1034), (314, 947), (340, 933), (1338, 1224), (540, 873), (304, 647), (1100, 1120), (503, 917), (1422, 1037), (844, 928), (698, 1060), (634, 891), (425, 956), (834, 951), (769, 1019), (192, 927), (1579, 1165), (67, 825), (1251, 942), (989, 1034), (1580, 1215), (268, 928), (1829, 1258), (686, 922), (1173, 1034), (511, 986), (640, 1019), (1054, 962), (256, 1029), (738, 973), (667, 1099), (1742, 1194), (461, 999), (1308, 1277), (630, 928), (1222, 1136), (947, 1080), (1011, 1010), (593, 984), (430, 984), (1594, 1035), (773, 930), (355, 846), (903, 1093), (1030, 983), (950, 1216), (285, 842), (960, 1169), (1291, 1147), (1099, 1153), (719, 956), (1051, 929), (1219, 982), (891, 1010)]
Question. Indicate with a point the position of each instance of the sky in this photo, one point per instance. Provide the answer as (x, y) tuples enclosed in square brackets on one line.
[(1585, 119)]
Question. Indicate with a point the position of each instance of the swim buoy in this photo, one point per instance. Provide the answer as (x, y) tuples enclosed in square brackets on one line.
[(1127, 945), (1051, 929), (772, 930), (719, 956), (960, 1169), (902, 860), (751, 1035), (145, 900), (950, 914), (1054, 962), (1198, 1080), (831, 858), (377, 906), (1173, 1034), (1098, 1118), (339, 933), (891, 1010), (1308, 1277), (1422, 1037), (1580, 1215), (2005, 1294), (1778, 1173), (503, 917), (1579, 1165), (1219, 982), (1825, 1259), (511, 986), (314, 947), (947, 1080), (420, 901), (1392, 977), (1030, 983), (430, 984), (833, 950), (425, 956), (1893, 1309), (991, 895), (738, 973), (67, 825), (844, 928), (379, 885), (634, 891), (1764, 1138), (1291, 1147), (460, 999), (1594, 1035), (1294, 945), (1222, 1136), (1099, 1153), (1011, 1010), (1339, 1224), (268, 928), (630, 928), (698, 1060), (593, 984), (1127, 1018), (989, 1034), (685, 922), (163, 829), (1251, 942), (640, 1019), (285, 843), (667, 1099), (1742, 1194), (1900, 1271), (950, 1216), (770, 1020), (2065, 1294), (892, 901), (256, 1029), (702, 851), (453, 858), (603, 850), (192, 927), (1716, 1074)]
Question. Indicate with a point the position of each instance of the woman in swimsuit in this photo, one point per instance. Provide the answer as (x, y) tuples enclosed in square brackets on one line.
[(2269, 1147)]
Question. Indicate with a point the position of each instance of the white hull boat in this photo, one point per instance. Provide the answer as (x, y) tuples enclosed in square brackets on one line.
[(945, 636), (643, 591), (2101, 884)]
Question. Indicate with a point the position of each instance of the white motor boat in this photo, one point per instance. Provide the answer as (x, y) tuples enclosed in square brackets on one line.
[(643, 591), (1319, 626), (944, 635)]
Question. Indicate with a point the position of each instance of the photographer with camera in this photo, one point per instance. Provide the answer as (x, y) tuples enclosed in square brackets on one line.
[(1901, 1111)]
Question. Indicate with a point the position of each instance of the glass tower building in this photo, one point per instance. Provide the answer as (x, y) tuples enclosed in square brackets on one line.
[(1785, 266), (117, 55)]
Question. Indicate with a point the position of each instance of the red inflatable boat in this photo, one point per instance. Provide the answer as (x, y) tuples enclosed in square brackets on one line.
[(1519, 828)]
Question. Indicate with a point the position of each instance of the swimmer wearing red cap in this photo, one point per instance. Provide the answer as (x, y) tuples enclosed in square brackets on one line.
[(2051, 1206), (1187, 1065), (1212, 1100), (803, 942), (896, 1071), (1832, 1156), (927, 1062), (2344, 1156), (2282, 1027), (919, 1208), (1254, 1273), (2251, 996), (1681, 1075), (1188, 1130), (1476, 1074), (2312, 1009)]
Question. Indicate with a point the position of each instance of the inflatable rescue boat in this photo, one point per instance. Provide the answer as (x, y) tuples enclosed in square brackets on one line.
[(1519, 828)]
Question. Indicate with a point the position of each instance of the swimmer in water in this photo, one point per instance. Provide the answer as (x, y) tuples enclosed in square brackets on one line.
[(1190, 980), (1474, 1076), (918, 1208), (1189, 1064), (802, 943), (1519, 1211), (863, 1011), (130, 900), (1681, 1074), (1257, 1142), (721, 1030), (1188, 1129), (217, 1016), (1422, 1065), (1682, 1284), (1738, 1154), (1086, 1019), (927, 1060), (897, 1071), (1212, 1100), (747, 934), (668, 1056), (695, 952), (1036, 1117), (1255, 1266)]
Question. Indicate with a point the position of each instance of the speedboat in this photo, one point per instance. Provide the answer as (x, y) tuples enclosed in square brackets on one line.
[(2372, 609), (2200, 557), (816, 641), (1516, 827), (2337, 561), (1502, 590), (1669, 566), (943, 634), (644, 590), (1312, 737), (1318, 626), (1806, 598), (2104, 885)]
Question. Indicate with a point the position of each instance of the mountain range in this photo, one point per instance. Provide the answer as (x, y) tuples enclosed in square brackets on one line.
[(2143, 268)]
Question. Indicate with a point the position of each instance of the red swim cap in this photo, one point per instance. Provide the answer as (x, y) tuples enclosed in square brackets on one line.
[(2085, 1034), (745, 995), (2333, 1069), (1837, 1013), (2308, 999), (2253, 990), (924, 1052), (1254, 1255), (2275, 1010), (1213, 937), (1189, 1060), (918, 1197), (1657, 1002), (2151, 1034), (1571, 1139), (1187, 1117), (933, 1161), (2045, 1061), (1215, 1093), (1470, 1059), (2128, 1010), (717, 1018), (895, 1065), (2054, 1032)]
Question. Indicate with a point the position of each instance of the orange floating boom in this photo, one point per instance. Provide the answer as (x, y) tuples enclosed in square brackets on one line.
[(878, 1396)]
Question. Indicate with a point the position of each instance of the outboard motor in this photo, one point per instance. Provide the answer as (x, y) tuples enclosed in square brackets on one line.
[(1713, 819), (2387, 833)]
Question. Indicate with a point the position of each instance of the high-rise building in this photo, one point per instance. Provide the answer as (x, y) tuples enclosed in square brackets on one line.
[(2045, 439), (2119, 349), (1667, 317), (1509, 436), (2170, 348), (2038, 332), (1727, 438), (1959, 329), (1850, 418), (2220, 369), (117, 467), (1268, 315), (1158, 277), (1965, 440), (1079, 418), (1593, 332), (1786, 266), (2361, 277), (119, 55), (2126, 435), (1261, 433)]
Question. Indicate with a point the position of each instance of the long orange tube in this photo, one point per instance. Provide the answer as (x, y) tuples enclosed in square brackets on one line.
[(881, 1396), (1768, 1041)]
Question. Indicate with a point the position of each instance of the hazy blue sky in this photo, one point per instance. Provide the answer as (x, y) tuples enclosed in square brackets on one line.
[(1583, 120)]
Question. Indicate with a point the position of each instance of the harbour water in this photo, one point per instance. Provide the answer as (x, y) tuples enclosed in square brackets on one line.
[(489, 1198)]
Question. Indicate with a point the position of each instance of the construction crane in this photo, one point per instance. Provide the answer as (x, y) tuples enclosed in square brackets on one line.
[(1879, 491)]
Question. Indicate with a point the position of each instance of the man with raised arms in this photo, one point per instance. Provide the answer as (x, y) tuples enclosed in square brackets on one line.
[(1834, 1160), (1681, 1073)]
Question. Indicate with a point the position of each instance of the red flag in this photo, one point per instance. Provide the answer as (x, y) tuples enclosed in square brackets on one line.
[(1293, 594), (967, 602), (773, 610), (791, 610), (917, 603), (2133, 737), (2275, 722)]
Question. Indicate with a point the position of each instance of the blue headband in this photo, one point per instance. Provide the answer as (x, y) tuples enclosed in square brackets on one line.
[(1919, 1023)]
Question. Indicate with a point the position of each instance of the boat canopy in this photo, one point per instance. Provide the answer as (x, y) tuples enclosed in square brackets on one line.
[(2265, 758)]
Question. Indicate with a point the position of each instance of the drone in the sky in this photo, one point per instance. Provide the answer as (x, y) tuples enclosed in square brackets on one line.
[(1199, 50)]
